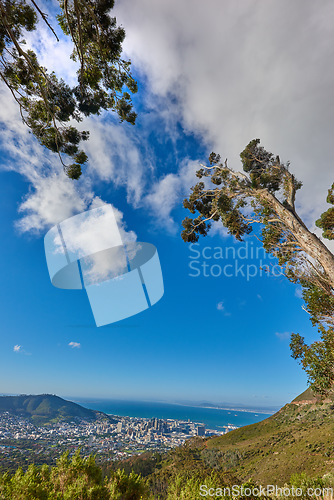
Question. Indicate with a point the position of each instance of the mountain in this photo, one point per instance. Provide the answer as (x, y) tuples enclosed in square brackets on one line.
[(46, 408), (298, 438)]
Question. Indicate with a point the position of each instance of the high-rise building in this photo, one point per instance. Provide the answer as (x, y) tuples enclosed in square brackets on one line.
[(200, 431)]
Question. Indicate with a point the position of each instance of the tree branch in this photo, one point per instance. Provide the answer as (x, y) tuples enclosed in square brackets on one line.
[(44, 17)]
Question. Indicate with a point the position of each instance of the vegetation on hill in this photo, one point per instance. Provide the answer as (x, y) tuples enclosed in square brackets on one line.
[(46, 408), (297, 440), (76, 478), (292, 447), (181, 477), (308, 395)]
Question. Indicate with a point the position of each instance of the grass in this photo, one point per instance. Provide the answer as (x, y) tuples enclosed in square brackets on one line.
[(299, 438)]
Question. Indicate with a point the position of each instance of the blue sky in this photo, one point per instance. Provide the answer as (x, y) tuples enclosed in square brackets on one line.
[(208, 338), (221, 339)]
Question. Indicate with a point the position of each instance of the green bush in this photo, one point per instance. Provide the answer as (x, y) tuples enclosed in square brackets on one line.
[(71, 479)]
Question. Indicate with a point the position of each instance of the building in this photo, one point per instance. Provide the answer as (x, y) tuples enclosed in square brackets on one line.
[(200, 431)]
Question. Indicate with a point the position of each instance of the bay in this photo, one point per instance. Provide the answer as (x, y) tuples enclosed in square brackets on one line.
[(212, 418)]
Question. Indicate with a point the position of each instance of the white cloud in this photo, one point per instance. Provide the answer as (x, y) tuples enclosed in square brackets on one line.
[(74, 345), (221, 307), (299, 293), (115, 156), (52, 196), (217, 228), (97, 238), (19, 349), (52, 199), (96, 230), (53, 54), (283, 335), (244, 70), (168, 193), (227, 71)]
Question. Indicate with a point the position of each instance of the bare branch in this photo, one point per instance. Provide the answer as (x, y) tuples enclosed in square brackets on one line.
[(44, 17)]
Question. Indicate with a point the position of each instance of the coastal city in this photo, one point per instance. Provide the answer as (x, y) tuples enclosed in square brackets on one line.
[(108, 437)]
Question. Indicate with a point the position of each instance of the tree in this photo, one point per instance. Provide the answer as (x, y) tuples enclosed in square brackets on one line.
[(47, 104), (316, 359), (265, 194)]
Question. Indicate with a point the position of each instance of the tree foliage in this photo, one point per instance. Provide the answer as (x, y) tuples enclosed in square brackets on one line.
[(326, 220), (317, 359), (48, 105), (264, 194), (75, 478)]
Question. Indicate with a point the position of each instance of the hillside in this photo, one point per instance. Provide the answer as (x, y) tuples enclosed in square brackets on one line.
[(46, 408), (298, 438)]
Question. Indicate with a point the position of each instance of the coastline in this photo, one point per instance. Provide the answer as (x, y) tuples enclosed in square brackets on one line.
[(246, 410), (216, 418)]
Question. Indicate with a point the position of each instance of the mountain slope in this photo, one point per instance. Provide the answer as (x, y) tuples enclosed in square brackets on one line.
[(45, 408), (298, 438)]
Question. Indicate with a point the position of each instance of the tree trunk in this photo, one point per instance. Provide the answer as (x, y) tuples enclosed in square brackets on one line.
[(308, 241)]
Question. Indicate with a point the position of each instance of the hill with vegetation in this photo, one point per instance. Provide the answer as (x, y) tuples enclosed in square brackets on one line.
[(298, 439), (293, 447), (46, 408)]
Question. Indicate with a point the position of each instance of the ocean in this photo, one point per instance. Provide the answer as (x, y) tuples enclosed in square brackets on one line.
[(213, 418)]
